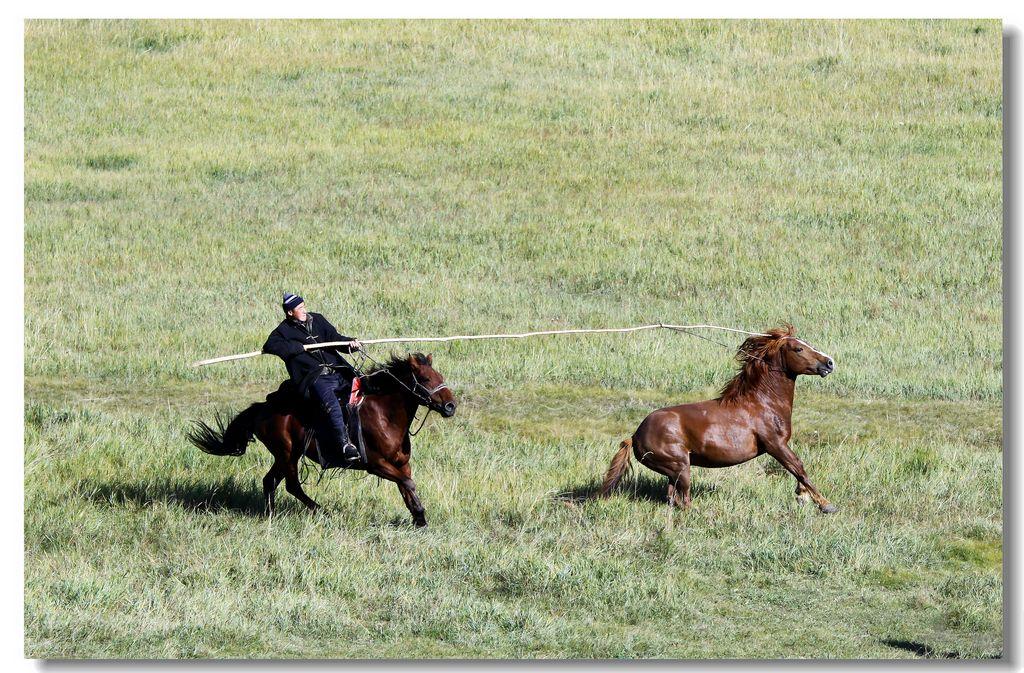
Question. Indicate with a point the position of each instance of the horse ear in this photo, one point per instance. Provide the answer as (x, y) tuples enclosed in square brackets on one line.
[(430, 359)]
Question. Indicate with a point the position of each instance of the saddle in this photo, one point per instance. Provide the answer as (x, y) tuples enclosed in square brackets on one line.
[(288, 399)]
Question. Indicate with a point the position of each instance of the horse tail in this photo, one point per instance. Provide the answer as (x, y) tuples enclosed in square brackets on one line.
[(227, 439), (619, 466)]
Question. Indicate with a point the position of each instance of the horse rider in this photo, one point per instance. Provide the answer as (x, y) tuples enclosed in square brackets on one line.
[(321, 373)]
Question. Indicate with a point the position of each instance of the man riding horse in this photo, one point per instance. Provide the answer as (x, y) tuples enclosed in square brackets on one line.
[(320, 374)]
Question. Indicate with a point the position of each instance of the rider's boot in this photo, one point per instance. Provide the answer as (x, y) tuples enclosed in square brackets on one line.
[(350, 453), (344, 448)]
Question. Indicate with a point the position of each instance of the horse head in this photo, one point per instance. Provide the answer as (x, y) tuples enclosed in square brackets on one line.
[(800, 357), (429, 385), (776, 350)]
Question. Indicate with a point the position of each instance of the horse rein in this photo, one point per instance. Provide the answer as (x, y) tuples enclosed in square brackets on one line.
[(424, 399)]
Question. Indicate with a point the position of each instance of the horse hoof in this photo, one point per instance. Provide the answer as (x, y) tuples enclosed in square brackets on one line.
[(829, 509), (420, 523)]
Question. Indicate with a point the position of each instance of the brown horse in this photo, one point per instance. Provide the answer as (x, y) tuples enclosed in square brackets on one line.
[(392, 394), (753, 415)]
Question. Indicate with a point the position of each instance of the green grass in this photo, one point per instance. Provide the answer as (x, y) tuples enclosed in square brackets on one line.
[(141, 546), (420, 178)]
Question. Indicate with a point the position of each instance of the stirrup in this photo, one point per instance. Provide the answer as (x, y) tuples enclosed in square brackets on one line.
[(350, 453)]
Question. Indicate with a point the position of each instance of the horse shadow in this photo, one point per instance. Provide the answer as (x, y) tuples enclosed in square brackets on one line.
[(229, 494), (207, 497), (641, 487), (927, 652)]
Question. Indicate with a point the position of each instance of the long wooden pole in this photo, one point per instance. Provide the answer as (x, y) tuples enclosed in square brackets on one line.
[(473, 337)]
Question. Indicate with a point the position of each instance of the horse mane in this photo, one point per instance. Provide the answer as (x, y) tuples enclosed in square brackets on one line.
[(399, 367), (756, 357)]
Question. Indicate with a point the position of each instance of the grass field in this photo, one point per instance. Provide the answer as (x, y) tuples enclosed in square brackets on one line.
[(429, 178)]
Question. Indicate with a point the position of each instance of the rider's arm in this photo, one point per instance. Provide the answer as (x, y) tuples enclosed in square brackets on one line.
[(282, 347), (332, 334)]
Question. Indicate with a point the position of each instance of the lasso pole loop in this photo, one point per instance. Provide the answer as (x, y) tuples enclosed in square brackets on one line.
[(476, 337)]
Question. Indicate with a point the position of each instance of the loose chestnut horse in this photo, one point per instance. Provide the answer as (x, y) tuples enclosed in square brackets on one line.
[(752, 416), (392, 394)]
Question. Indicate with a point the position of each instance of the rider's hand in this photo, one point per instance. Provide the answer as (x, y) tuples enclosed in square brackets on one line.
[(355, 345)]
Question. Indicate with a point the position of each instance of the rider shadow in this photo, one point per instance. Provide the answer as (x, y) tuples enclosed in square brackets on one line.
[(202, 498), (641, 487)]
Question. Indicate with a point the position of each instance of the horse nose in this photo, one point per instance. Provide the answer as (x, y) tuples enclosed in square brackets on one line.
[(449, 409), (830, 364)]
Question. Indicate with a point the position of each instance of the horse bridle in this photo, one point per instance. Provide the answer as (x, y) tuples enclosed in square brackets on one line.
[(428, 393), (424, 397)]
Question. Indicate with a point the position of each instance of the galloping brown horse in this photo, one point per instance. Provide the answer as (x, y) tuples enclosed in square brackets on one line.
[(753, 415), (392, 395)]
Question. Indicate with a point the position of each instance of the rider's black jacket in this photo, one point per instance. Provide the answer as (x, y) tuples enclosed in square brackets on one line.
[(305, 366)]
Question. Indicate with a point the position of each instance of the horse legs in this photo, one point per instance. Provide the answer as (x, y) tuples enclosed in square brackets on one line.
[(291, 479), (292, 485), (402, 476), (804, 488), (681, 484), (673, 461), (270, 483), (274, 436), (407, 488)]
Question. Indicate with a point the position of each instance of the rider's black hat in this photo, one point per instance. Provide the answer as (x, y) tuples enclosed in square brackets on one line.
[(290, 301)]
